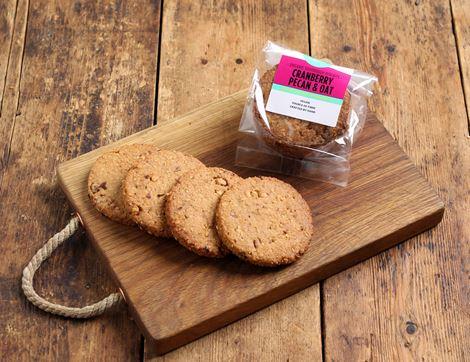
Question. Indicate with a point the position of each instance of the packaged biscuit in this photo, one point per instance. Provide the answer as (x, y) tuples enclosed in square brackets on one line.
[(302, 116)]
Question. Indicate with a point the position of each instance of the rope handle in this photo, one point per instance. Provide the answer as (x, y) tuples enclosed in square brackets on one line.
[(44, 253)]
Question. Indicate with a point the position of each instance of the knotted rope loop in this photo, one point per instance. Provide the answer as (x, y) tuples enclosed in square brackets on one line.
[(43, 254)]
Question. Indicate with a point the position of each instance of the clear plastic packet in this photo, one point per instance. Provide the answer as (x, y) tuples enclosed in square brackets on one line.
[(302, 116)]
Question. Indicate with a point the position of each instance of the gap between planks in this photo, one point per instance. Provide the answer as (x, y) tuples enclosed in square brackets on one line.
[(8, 58), (157, 82), (460, 60), (12, 112)]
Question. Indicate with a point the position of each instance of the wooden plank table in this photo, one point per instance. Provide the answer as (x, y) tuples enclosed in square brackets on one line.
[(75, 75)]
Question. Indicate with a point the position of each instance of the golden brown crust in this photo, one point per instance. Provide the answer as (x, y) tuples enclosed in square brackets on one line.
[(264, 221), (190, 209), (105, 178), (291, 136), (146, 186)]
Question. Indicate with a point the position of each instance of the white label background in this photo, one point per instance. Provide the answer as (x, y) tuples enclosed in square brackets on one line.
[(287, 104)]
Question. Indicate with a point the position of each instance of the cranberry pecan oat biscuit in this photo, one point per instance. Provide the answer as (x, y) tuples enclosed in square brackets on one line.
[(145, 188), (105, 178), (264, 221), (190, 209)]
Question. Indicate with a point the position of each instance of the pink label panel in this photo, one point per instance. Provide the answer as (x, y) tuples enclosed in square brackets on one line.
[(299, 74)]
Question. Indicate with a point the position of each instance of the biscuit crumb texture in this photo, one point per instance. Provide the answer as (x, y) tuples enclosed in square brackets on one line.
[(105, 178), (264, 221), (147, 185), (190, 209)]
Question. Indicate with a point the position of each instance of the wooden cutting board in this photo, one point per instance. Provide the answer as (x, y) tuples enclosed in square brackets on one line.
[(176, 296)]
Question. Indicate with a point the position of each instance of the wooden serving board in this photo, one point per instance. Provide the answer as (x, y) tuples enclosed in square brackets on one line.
[(177, 296)]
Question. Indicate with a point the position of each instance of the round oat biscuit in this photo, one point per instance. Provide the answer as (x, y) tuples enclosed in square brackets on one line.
[(105, 178), (145, 188), (190, 209), (285, 133), (264, 221)]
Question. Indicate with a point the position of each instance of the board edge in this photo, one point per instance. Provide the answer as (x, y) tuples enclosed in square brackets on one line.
[(165, 344)]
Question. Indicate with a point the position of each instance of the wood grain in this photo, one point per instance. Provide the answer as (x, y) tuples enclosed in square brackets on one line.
[(7, 22), (460, 12), (177, 296), (289, 337), (14, 17), (86, 77), (208, 51), (409, 303)]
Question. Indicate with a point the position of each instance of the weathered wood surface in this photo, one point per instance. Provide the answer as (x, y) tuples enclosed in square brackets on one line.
[(383, 294), (83, 76), (409, 303), (208, 51), (460, 13), (7, 21), (280, 332), (12, 15)]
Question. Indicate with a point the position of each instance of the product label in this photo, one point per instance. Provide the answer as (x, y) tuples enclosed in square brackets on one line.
[(308, 89)]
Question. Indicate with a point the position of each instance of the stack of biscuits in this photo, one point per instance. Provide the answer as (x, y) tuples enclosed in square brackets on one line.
[(208, 210)]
